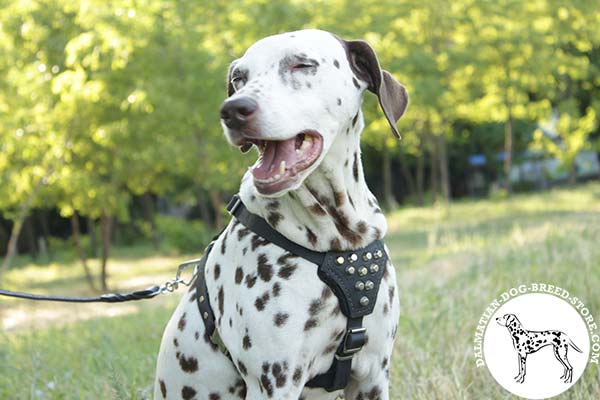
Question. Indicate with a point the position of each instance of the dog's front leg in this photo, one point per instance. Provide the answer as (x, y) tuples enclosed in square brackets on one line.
[(376, 388), (263, 387), (522, 371), (516, 378)]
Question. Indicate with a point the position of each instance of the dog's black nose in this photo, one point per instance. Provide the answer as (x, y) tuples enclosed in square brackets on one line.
[(236, 113)]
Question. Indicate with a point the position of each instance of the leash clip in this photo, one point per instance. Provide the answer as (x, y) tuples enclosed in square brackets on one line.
[(173, 284)]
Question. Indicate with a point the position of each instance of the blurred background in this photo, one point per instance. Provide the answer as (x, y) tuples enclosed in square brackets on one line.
[(114, 168)]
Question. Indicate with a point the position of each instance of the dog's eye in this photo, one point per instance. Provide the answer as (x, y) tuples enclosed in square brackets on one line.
[(301, 66), (238, 82)]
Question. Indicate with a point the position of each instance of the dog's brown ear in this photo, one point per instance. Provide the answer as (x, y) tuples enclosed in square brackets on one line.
[(392, 96), (230, 88)]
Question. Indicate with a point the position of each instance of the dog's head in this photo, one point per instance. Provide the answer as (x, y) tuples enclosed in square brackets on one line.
[(508, 320), (291, 94)]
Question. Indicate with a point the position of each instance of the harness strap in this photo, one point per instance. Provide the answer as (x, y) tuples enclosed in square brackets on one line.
[(202, 294), (338, 375)]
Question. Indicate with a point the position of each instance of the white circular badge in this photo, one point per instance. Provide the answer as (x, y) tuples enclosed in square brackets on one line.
[(536, 345)]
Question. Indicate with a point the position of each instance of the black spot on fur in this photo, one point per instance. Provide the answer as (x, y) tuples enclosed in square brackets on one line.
[(355, 167), (336, 63), (250, 281), (265, 269), (188, 393), (361, 227), (163, 388), (189, 364), (312, 238), (280, 318), (258, 241), (274, 218), (181, 323), (242, 368), (355, 82), (342, 224), (339, 198), (335, 244), (217, 271), (242, 233), (273, 205), (279, 373), (276, 289), (310, 324), (286, 271), (246, 341), (339, 101), (317, 209), (239, 275), (224, 242), (316, 306), (297, 375), (266, 384), (221, 299), (262, 301)]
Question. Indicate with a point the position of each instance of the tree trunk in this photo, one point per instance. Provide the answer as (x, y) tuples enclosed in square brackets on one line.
[(407, 175), (91, 227), (204, 207), (81, 251), (508, 132), (420, 173), (434, 180), (43, 219), (30, 237), (508, 146), (105, 228), (216, 205), (3, 239), (444, 174), (386, 172), (11, 249), (149, 212)]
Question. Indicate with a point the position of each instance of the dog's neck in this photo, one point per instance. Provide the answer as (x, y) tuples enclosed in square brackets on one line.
[(333, 209)]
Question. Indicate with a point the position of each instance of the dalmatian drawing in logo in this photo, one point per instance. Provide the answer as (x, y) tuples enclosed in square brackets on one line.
[(528, 342)]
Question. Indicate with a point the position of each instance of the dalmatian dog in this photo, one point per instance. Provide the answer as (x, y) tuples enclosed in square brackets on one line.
[(528, 342), (295, 97)]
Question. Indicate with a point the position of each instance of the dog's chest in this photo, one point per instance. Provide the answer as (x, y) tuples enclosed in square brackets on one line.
[(263, 296), (272, 308)]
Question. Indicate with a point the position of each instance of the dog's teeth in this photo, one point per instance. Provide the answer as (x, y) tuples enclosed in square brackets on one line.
[(276, 177), (282, 167), (305, 145)]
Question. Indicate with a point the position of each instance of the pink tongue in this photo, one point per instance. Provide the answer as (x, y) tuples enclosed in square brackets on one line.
[(271, 158)]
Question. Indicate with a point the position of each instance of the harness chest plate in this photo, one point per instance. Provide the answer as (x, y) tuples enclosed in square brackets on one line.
[(355, 277)]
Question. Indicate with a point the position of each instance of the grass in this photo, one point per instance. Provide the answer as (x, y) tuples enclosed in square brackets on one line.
[(451, 262)]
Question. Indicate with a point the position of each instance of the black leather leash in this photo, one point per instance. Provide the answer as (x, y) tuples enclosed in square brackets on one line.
[(354, 277), (143, 294), (105, 298)]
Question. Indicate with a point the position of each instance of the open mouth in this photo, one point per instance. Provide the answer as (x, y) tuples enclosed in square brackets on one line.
[(281, 161)]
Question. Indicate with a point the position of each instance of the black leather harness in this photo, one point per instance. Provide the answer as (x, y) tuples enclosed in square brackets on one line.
[(353, 276)]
